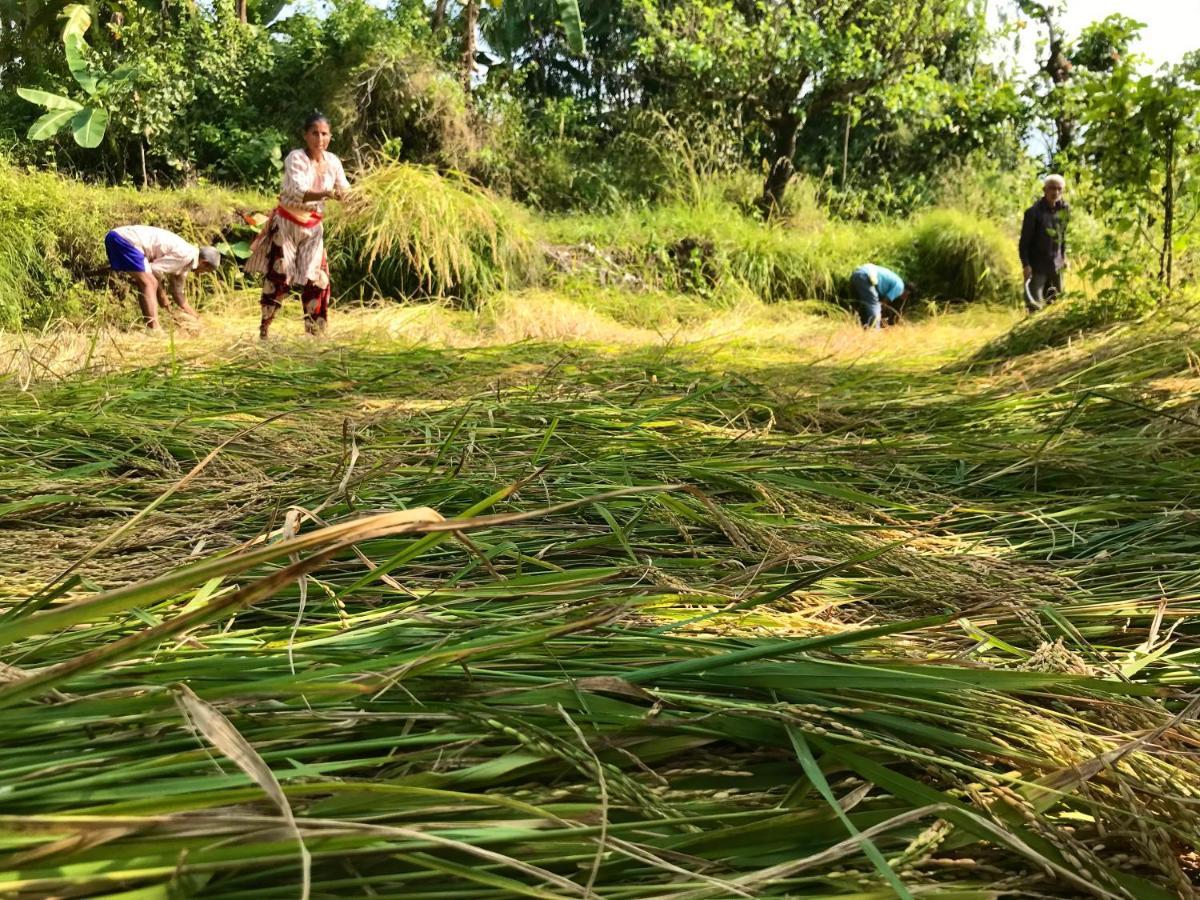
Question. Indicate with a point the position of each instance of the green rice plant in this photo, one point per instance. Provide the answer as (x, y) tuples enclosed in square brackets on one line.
[(26, 287), (952, 256), (412, 232), (706, 248)]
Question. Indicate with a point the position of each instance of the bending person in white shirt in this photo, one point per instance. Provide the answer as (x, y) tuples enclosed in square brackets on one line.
[(150, 256)]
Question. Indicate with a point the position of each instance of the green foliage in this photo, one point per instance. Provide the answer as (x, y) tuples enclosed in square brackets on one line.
[(997, 190), (572, 24), (202, 93), (1058, 96), (87, 122), (552, 158), (413, 232), (1142, 143), (544, 17), (1104, 45), (606, 87), (781, 65), (884, 152), (953, 255), (400, 102)]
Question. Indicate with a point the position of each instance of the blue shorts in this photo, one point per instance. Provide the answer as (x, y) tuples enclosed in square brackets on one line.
[(122, 255)]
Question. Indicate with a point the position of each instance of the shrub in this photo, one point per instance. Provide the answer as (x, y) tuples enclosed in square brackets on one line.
[(401, 100), (956, 256)]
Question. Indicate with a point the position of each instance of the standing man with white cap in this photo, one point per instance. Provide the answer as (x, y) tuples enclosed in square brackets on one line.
[(1043, 245), (149, 255)]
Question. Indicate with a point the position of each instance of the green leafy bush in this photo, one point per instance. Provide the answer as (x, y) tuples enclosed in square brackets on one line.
[(956, 256)]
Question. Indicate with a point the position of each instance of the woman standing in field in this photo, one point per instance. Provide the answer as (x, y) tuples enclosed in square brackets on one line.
[(290, 250)]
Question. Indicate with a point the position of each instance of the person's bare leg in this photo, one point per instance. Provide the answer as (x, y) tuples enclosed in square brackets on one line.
[(314, 324), (164, 305), (148, 298), (268, 316)]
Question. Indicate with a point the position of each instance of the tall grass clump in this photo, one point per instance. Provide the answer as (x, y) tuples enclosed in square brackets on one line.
[(954, 255), (714, 244), (28, 273), (711, 246), (413, 232)]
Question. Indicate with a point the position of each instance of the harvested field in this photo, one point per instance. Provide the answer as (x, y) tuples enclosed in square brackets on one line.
[(648, 616)]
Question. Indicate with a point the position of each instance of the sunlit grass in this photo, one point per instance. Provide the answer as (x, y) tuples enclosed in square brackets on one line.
[(766, 332)]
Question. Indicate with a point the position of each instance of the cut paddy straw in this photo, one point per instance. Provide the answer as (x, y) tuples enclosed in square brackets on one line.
[(907, 629)]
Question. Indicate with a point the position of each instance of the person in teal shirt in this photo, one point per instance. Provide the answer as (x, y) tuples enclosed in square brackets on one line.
[(873, 286)]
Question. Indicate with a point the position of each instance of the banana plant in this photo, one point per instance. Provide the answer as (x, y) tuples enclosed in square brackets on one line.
[(564, 13), (572, 25), (87, 121)]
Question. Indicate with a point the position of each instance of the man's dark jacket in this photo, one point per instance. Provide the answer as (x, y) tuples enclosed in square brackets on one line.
[(1043, 244)]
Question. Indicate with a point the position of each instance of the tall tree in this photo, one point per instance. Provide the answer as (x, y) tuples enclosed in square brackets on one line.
[(470, 43), (564, 14), (783, 63), (1056, 68), (1143, 143), (1067, 65), (893, 146)]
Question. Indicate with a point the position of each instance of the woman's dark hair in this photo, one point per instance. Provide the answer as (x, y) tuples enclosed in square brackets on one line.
[(317, 116)]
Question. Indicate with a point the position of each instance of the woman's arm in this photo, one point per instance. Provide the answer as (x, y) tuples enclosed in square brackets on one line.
[(297, 179)]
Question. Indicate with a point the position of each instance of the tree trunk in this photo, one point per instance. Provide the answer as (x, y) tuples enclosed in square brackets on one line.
[(1166, 258), (145, 173), (846, 151), (242, 12), (471, 20), (439, 15), (785, 129)]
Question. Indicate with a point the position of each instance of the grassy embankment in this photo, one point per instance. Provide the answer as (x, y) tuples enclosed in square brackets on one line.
[(411, 233)]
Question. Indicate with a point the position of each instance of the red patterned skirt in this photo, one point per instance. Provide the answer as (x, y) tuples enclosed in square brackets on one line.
[(290, 254)]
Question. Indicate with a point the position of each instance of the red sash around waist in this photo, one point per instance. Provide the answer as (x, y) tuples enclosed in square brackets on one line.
[(314, 217)]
